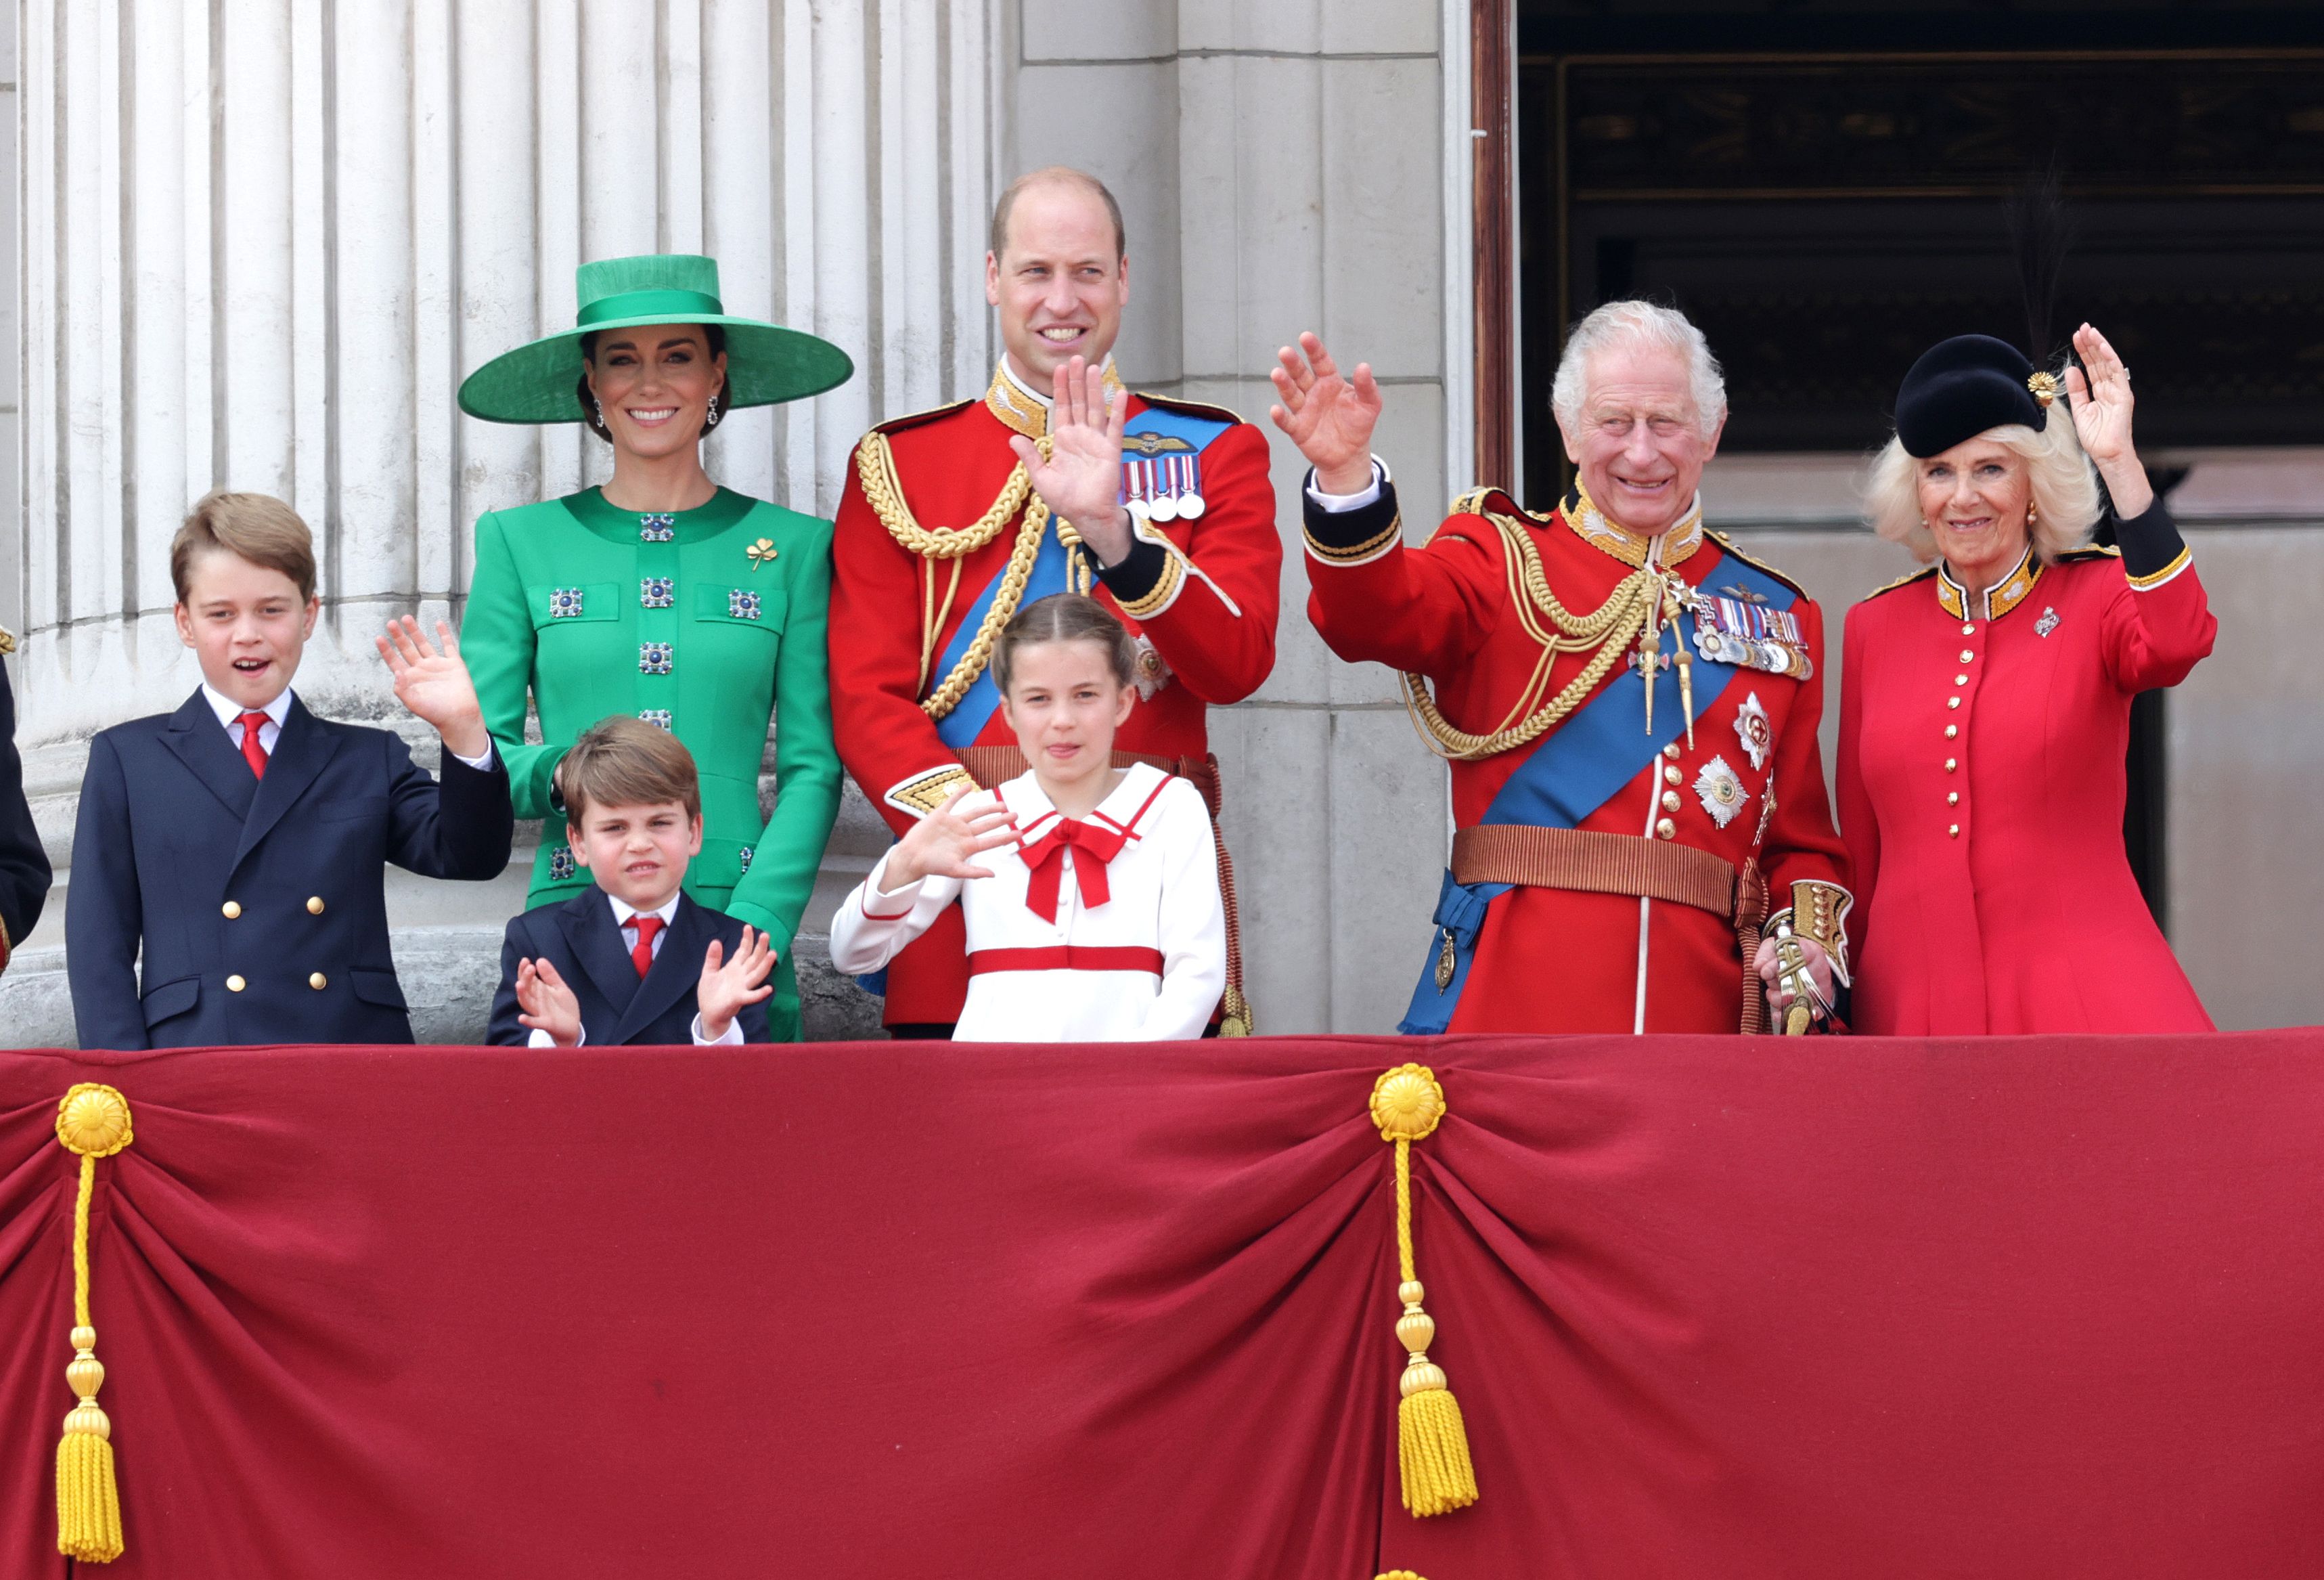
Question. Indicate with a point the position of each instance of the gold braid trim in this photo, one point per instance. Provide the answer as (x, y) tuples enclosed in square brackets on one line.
[(875, 464), (1629, 611)]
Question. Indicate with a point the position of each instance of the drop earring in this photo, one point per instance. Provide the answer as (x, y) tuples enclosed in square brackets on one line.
[(599, 407), (711, 420)]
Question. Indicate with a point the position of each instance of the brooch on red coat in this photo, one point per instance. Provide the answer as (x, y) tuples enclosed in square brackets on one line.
[(1759, 737), (2047, 624), (1722, 790)]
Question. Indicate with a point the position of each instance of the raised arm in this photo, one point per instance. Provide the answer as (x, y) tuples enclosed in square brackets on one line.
[(773, 895)]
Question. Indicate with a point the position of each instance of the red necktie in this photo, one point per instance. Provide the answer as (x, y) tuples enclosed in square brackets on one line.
[(1095, 846), (642, 955), (253, 750)]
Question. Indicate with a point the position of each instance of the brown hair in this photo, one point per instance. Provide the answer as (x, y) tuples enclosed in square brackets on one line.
[(256, 527), (1059, 175), (624, 762), (715, 334), (1066, 617)]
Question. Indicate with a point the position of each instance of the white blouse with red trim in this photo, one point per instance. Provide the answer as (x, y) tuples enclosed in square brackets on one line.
[(1147, 963)]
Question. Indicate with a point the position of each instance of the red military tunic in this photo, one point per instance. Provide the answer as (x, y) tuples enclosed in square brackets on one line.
[(1981, 783), (1202, 591), (1563, 959)]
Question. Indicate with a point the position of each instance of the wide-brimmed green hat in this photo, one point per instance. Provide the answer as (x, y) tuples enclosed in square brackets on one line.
[(765, 363)]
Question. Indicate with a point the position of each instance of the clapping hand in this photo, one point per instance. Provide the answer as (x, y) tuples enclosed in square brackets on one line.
[(1330, 418), (728, 985), (547, 1004), (946, 843), (1080, 480), (435, 685), (2101, 404)]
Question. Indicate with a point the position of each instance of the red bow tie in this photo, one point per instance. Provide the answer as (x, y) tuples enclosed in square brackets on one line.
[(1096, 845)]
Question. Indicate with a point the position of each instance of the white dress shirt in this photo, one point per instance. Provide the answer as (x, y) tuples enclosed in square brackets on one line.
[(229, 713), (1337, 503), (625, 917)]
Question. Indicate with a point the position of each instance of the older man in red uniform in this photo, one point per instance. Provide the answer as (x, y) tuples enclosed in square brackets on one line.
[(1056, 479), (1629, 703)]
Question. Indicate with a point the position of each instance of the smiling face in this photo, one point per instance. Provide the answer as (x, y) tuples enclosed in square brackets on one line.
[(1064, 705), (1974, 496), (1060, 284), (246, 624), (654, 385), (638, 855), (1639, 447)]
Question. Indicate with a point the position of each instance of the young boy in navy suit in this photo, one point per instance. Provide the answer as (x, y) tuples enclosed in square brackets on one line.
[(242, 841), (633, 960)]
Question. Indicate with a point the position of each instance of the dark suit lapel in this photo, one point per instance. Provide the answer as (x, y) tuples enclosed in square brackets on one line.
[(194, 735), (588, 922), (677, 970)]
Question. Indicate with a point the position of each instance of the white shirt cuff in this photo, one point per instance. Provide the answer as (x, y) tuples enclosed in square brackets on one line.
[(540, 1038), (481, 764), (1335, 504), (732, 1034)]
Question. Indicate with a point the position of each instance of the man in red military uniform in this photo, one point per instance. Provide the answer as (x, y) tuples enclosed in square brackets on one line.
[(1056, 479), (1628, 705)]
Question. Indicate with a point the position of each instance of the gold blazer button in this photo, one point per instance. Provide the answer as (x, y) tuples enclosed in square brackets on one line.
[(231, 909), (236, 985), (314, 905), (318, 982)]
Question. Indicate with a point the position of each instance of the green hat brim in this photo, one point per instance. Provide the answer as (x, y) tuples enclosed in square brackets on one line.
[(766, 364)]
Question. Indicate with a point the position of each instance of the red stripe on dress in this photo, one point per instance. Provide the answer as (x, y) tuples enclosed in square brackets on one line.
[(1066, 957)]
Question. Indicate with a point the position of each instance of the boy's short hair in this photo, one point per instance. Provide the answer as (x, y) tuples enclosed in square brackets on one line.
[(622, 761), (256, 527)]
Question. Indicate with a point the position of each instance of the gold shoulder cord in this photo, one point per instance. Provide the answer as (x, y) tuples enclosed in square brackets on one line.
[(1631, 610), (875, 464)]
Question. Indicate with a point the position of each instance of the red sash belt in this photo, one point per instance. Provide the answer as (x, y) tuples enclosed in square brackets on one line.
[(1066, 957)]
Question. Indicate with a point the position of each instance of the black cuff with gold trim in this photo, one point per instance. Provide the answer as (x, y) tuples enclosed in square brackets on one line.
[(1140, 574), (2152, 548), (1345, 536)]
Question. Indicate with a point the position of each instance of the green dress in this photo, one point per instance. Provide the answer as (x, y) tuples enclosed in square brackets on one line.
[(703, 622)]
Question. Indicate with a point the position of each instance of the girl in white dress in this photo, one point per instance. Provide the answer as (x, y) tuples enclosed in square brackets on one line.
[(1095, 915)]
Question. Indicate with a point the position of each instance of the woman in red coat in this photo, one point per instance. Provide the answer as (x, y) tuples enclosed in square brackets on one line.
[(1985, 707)]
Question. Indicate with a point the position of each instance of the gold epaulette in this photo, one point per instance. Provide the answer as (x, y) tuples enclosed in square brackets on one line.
[(914, 418), (1907, 579), (1753, 560), (1193, 408), (1488, 501)]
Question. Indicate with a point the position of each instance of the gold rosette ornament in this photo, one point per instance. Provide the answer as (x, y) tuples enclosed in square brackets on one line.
[(92, 1122), (1431, 1441)]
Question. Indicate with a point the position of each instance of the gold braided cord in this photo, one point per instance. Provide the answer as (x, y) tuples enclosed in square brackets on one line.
[(1629, 610), (875, 464)]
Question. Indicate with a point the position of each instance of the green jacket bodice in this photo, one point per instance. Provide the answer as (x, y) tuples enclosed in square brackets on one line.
[(706, 622)]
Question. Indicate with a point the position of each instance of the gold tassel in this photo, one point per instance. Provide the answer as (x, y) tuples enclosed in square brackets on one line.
[(1432, 1440), (93, 1123)]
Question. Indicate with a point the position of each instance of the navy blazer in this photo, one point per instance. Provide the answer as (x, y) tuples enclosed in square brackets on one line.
[(261, 904), (580, 938)]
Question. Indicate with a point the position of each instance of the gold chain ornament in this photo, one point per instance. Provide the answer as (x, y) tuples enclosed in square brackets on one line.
[(875, 465)]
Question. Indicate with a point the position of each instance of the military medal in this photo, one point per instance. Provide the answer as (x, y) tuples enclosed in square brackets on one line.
[(1735, 627), (1752, 727), (1720, 790)]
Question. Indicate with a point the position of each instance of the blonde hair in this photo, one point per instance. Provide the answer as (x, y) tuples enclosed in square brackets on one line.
[(1066, 617), (2064, 494), (623, 761), (256, 527)]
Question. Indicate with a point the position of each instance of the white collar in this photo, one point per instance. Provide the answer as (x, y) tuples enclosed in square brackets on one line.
[(229, 711), (1023, 796), (624, 913)]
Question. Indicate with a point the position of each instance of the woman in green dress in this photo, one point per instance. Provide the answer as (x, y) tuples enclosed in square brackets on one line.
[(662, 594)]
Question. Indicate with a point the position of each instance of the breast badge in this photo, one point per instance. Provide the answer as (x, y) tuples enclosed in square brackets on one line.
[(1759, 737), (1722, 790)]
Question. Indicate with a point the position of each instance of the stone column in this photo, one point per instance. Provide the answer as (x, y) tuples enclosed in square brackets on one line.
[(1284, 167), (264, 243)]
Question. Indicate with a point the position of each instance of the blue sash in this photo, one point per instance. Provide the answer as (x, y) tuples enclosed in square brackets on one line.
[(1573, 771), (965, 721)]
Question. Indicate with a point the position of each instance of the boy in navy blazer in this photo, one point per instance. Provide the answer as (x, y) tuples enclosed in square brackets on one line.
[(241, 841), (633, 960)]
